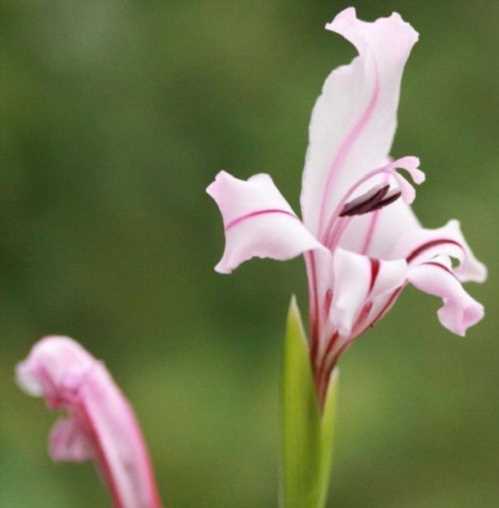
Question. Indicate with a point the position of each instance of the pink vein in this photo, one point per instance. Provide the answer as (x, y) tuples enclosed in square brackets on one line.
[(257, 213), (370, 231), (345, 147)]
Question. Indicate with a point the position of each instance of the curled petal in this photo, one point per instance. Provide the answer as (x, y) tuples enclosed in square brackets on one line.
[(354, 119), (419, 245), (459, 310), (101, 424), (54, 370), (258, 221)]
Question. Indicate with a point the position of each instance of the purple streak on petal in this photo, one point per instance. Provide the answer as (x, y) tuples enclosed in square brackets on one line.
[(428, 245), (375, 264), (257, 213), (325, 367)]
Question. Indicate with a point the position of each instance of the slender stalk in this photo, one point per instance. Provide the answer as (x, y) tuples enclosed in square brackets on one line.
[(307, 425)]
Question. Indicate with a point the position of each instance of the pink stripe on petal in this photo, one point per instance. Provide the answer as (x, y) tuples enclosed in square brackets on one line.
[(430, 244), (342, 154), (257, 213), (373, 222)]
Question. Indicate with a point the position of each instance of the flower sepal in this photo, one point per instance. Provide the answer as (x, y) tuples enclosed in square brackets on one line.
[(307, 428)]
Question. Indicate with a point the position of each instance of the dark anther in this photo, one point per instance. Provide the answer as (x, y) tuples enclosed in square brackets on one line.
[(390, 198), (374, 199)]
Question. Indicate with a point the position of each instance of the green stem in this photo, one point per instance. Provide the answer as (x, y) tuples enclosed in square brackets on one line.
[(307, 432)]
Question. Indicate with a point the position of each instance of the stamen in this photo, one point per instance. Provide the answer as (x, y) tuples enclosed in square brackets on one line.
[(341, 205), (374, 199), (390, 198)]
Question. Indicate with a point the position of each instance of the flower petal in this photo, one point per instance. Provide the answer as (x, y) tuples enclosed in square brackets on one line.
[(358, 280), (101, 423), (68, 441), (398, 234), (354, 119), (54, 368), (258, 221), (459, 310), (125, 461), (395, 232)]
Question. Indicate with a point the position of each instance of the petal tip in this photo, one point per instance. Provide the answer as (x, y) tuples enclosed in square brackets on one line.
[(459, 319), (26, 381), (222, 269), (345, 16), (212, 189), (395, 16), (479, 272)]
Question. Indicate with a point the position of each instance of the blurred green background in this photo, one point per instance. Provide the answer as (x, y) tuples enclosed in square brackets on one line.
[(115, 116)]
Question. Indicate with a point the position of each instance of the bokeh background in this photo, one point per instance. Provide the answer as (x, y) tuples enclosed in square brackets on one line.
[(115, 116)]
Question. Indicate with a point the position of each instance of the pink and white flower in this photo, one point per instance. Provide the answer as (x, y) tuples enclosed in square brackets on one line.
[(361, 241), (100, 424)]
